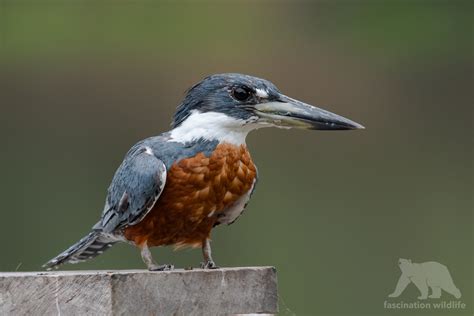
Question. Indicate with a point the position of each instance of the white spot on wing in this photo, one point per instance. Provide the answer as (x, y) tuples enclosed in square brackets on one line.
[(148, 151)]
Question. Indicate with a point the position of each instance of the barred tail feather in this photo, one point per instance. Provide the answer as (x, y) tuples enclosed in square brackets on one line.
[(88, 247)]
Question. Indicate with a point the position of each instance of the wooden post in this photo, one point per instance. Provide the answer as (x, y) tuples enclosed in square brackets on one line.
[(245, 290)]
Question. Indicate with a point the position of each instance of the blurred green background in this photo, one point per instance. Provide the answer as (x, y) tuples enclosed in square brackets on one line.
[(82, 81)]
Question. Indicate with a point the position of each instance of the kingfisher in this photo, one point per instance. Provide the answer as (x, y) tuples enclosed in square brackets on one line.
[(174, 188)]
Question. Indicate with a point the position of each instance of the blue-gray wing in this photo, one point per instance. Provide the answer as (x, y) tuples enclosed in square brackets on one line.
[(135, 188)]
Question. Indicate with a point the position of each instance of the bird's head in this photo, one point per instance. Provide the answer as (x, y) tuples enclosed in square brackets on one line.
[(228, 106)]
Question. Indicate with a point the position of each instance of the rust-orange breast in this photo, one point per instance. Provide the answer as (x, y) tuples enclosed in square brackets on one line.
[(197, 190)]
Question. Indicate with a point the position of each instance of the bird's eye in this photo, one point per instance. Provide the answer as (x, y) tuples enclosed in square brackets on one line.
[(241, 93)]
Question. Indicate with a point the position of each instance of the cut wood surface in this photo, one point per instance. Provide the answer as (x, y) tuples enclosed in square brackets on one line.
[(243, 290)]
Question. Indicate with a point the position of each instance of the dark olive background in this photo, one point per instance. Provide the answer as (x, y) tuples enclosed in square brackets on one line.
[(82, 81)]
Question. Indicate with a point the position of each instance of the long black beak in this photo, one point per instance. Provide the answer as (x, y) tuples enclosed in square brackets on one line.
[(288, 112)]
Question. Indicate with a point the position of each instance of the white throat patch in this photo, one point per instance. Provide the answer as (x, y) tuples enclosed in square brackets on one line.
[(212, 126)]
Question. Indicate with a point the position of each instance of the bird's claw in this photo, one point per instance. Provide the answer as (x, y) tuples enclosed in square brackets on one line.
[(162, 267), (209, 265)]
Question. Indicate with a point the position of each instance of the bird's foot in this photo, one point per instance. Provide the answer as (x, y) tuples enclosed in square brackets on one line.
[(161, 267), (209, 265)]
